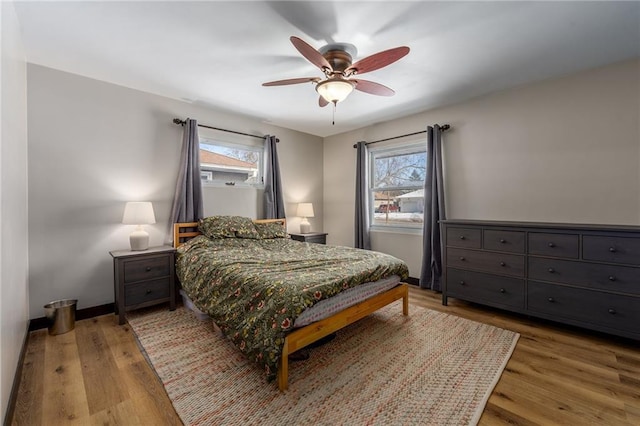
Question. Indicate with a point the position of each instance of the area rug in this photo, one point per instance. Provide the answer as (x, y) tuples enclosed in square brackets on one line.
[(386, 369)]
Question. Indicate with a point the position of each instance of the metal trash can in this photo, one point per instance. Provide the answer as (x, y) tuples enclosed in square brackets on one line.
[(61, 315)]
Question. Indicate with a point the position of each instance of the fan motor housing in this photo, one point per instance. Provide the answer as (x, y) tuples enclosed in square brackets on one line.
[(339, 55), (338, 59)]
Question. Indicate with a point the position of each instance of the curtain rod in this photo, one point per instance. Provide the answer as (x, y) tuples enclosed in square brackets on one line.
[(444, 127), (181, 122)]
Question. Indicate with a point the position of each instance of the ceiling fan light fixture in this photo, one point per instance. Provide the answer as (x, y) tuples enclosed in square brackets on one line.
[(335, 90)]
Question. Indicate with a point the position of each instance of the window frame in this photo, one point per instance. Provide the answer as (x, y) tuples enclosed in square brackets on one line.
[(260, 149), (408, 147)]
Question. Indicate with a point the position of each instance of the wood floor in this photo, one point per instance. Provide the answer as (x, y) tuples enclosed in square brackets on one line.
[(96, 375)]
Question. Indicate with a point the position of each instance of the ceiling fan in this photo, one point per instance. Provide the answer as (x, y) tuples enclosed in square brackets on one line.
[(335, 61)]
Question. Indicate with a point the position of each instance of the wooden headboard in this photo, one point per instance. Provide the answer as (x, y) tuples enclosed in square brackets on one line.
[(184, 231)]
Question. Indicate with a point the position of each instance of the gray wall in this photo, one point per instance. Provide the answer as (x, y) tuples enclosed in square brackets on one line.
[(92, 147), (13, 208), (563, 150)]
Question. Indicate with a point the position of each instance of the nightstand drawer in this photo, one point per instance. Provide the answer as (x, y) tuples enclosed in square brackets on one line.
[(146, 269), (147, 291), (312, 237), (317, 239)]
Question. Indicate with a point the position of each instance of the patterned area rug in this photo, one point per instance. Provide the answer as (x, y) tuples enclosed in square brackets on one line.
[(386, 369)]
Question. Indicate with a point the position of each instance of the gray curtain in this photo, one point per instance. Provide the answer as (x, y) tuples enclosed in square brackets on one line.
[(431, 274), (187, 202), (362, 239), (273, 199)]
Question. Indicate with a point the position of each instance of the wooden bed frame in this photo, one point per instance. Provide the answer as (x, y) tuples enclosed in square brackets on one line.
[(303, 336)]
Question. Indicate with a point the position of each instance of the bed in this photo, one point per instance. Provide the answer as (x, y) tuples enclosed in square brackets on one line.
[(256, 287)]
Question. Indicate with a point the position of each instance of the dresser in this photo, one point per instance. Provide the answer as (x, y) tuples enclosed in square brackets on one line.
[(583, 275), (143, 278)]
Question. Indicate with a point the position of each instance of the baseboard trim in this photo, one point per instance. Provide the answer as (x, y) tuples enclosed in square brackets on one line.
[(412, 281), (94, 311), (13, 396)]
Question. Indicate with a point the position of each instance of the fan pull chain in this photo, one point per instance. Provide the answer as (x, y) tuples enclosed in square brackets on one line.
[(333, 116)]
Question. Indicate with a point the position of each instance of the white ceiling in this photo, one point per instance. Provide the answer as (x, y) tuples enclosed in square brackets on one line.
[(219, 53)]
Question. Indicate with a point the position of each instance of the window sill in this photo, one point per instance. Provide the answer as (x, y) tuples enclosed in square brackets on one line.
[(396, 230), (224, 185)]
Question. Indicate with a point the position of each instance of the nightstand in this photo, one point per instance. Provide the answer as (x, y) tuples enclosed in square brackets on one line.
[(143, 278), (311, 237)]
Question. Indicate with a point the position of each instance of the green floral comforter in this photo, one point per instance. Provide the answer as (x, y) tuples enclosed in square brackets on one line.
[(254, 289)]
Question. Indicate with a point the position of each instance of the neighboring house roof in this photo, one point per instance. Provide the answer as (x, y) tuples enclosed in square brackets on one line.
[(414, 194), (208, 157)]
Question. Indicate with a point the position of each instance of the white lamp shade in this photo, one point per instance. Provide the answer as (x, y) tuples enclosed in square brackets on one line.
[(334, 90), (305, 210), (138, 213)]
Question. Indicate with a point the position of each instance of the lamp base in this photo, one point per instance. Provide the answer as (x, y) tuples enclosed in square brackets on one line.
[(305, 226), (139, 240)]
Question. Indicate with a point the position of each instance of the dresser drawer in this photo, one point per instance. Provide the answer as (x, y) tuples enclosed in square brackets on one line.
[(511, 241), (623, 279), (611, 249), (612, 311), (464, 237), (147, 268), (498, 263), (489, 289), (556, 245), (147, 291)]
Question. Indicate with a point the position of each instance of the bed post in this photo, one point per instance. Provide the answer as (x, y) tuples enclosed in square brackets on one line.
[(283, 367), (405, 301)]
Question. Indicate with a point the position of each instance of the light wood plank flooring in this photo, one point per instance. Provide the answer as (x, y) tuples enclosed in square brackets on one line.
[(96, 374)]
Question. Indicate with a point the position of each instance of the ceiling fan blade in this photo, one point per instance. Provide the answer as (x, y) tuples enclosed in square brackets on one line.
[(310, 53), (378, 60), (373, 88), (292, 81), (322, 102)]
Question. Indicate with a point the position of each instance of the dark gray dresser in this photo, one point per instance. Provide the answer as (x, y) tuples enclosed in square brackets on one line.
[(583, 275)]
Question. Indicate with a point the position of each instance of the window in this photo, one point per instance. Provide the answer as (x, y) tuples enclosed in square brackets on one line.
[(396, 186), (223, 163)]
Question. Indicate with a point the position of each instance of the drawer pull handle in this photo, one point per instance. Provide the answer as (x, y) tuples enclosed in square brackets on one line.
[(502, 264), (612, 249), (148, 291), (551, 270), (612, 278), (462, 237), (502, 290), (551, 299), (462, 258), (552, 245), (462, 283), (148, 269), (502, 241), (612, 311)]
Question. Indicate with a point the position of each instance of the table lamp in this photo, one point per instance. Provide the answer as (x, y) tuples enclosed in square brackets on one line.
[(138, 213), (305, 210)]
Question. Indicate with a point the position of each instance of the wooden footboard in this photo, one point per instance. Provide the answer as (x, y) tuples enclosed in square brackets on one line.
[(304, 336)]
